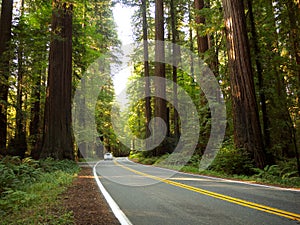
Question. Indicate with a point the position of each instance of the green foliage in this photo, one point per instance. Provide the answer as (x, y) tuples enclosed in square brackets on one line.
[(50, 165), (16, 172), (33, 185), (232, 161), (140, 157), (176, 159), (285, 172)]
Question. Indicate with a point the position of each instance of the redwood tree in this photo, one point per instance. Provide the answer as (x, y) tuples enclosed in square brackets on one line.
[(202, 40), (146, 67), (175, 59), (159, 70), (5, 37), (259, 68), (247, 130), (57, 140)]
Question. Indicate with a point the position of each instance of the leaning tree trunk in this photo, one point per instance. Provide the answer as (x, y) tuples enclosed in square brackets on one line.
[(5, 37), (57, 140), (247, 130)]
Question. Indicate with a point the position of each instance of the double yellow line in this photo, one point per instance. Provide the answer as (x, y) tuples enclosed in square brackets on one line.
[(279, 212)]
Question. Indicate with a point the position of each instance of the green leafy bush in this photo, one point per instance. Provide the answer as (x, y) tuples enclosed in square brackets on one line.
[(194, 161), (15, 172), (284, 172), (232, 161)]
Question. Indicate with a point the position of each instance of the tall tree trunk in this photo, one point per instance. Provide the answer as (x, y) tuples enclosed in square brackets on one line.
[(57, 141), (148, 110), (82, 150), (203, 45), (265, 117), (159, 71), (191, 41), (5, 37), (294, 18), (280, 120), (202, 40), (176, 58), (19, 143), (247, 130), (35, 125)]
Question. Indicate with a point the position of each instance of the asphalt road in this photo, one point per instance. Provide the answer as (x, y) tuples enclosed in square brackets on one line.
[(151, 195)]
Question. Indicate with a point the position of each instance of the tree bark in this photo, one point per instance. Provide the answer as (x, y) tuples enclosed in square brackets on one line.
[(280, 122), (191, 47), (176, 58), (294, 17), (148, 110), (57, 141), (159, 70), (202, 41), (19, 144), (265, 116), (247, 130), (5, 37)]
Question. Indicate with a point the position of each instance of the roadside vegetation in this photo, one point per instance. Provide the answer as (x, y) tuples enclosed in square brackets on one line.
[(30, 190), (229, 163)]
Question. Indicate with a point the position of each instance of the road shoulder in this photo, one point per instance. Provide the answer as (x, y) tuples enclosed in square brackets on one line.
[(86, 202)]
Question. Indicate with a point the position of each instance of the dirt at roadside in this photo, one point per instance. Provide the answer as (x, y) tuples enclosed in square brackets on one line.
[(86, 201)]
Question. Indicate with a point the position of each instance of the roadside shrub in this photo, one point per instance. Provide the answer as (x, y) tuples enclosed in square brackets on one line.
[(148, 161), (25, 182), (194, 161), (232, 161), (51, 165), (161, 159), (284, 172), (174, 159), (136, 156), (15, 173)]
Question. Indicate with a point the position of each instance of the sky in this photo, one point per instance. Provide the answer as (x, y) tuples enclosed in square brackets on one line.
[(122, 16)]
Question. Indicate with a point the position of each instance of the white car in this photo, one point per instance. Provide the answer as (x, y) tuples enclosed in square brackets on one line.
[(108, 156)]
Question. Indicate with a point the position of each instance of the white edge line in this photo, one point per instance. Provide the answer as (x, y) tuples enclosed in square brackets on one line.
[(119, 214), (222, 179)]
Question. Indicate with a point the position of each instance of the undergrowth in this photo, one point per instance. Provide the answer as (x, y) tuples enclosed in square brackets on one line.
[(29, 190)]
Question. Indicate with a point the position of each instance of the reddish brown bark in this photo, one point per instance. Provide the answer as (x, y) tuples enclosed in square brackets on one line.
[(247, 130), (294, 16), (176, 58), (202, 40), (57, 140), (259, 67), (148, 111), (159, 71)]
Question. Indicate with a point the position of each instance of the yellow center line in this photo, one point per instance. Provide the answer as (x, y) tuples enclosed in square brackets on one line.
[(275, 211)]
